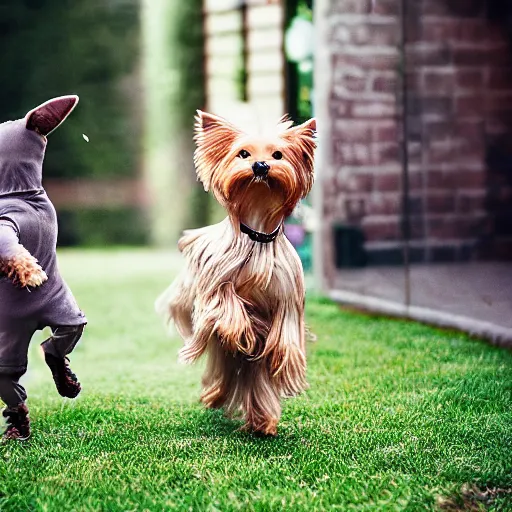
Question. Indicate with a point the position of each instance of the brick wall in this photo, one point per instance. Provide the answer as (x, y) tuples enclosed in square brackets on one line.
[(459, 63), (460, 115)]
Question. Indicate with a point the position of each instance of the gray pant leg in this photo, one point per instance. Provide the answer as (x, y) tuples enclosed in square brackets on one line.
[(63, 340), (12, 393)]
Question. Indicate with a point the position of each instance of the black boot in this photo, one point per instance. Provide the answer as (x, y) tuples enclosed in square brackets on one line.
[(18, 423), (65, 380)]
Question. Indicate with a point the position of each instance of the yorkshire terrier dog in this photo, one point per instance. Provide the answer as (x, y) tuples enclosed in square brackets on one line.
[(241, 296)]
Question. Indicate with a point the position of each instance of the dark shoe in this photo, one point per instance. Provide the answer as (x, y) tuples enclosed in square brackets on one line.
[(65, 380), (18, 423)]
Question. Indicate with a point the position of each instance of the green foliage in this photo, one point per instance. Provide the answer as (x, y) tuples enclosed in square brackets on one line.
[(102, 227), (87, 47), (187, 40), (397, 414)]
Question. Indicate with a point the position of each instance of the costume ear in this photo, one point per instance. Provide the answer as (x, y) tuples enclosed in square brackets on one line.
[(47, 117), (214, 137)]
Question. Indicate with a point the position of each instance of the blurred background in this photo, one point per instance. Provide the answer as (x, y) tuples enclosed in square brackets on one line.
[(412, 210)]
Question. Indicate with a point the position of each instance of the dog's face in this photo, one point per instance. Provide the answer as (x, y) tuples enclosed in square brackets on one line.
[(271, 172)]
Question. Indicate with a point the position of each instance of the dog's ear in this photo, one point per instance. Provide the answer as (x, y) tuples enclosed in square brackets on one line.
[(307, 129), (214, 137), (47, 117), (302, 143)]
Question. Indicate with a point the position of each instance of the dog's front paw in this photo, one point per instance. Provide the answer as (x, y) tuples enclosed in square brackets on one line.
[(267, 427), (37, 278)]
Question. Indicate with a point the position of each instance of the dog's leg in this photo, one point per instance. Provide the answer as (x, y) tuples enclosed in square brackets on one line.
[(219, 379), (241, 385), (260, 398), (285, 348), (223, 313), (15, 261)]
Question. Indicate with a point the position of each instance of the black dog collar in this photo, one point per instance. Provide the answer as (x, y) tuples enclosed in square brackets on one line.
[(258, 236)]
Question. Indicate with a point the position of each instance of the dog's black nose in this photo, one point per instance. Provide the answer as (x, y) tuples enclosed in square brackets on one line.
[(260, 169)]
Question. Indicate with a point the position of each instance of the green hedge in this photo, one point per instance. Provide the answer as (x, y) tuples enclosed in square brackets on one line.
[(87, 47), (103, 227)]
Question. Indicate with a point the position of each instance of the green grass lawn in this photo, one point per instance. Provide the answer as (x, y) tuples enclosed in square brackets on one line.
[(399, 416)]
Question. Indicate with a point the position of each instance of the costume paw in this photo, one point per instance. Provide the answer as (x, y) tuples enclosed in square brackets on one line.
[(23, 269), (37, 278)]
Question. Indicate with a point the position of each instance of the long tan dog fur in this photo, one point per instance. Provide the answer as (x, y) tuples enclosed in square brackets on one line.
[(241, 301)]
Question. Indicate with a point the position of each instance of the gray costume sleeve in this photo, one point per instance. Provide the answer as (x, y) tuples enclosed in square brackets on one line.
[(8, 238)]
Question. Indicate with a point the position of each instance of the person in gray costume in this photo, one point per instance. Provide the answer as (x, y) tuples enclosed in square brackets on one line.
[(33, 295)]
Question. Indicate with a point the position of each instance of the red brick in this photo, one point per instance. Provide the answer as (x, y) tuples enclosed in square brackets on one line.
[(439, 151), (359, 182), (438, 81), (386, 7), (441, 202), (472, 132), (442, 227), (369, 34), (482, 56), (386, 132), (381, 229), (445, 29), (345, 79), (386, 153), (414, 79), (339, 108), (355, 209), (470, 179), (498, 103), (415, 180), (441, 180), (437, 54), (357, 34), (373, 109), (348, 83), (437, 131), (384, 204), (353, 130), (470, 203), (471, 105), (500, 78), (352, 154), (367, 61), (388, 182), (384, 33), (469, 79), (352, 6), (435, 7), (385, 82), (459, 8), (455, 150), (478, 31), (456, 179), (438, 106)]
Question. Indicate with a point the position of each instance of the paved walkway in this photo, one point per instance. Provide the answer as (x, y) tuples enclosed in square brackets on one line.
[(481, 292)]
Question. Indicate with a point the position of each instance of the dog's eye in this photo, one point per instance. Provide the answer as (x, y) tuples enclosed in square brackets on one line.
[(277, 155), (244, 153)]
